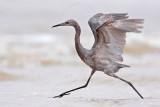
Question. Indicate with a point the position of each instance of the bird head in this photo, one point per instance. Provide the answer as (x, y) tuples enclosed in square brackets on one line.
[(70, 22)]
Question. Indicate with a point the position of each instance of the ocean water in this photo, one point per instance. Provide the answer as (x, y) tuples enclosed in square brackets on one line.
[(27, 39), (30, 17), (50, 50)]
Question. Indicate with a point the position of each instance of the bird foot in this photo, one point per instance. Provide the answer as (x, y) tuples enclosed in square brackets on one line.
[(61, 95)]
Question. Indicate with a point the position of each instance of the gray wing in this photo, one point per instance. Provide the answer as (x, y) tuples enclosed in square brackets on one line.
[(93, 23), (110, 33)]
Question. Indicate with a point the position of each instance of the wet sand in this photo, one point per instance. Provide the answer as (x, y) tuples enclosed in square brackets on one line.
[(35, 87)]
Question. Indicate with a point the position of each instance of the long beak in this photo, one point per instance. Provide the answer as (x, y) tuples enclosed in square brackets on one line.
[(62, 24)]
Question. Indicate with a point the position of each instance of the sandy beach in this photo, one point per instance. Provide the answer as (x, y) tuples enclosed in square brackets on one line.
[(35, 87)]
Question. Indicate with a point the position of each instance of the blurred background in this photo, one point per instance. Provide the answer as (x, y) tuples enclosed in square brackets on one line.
[(27, 39), (38, 62)]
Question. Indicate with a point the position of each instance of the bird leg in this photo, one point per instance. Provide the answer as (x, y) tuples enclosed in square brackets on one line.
[(129, 84), (68, 92)]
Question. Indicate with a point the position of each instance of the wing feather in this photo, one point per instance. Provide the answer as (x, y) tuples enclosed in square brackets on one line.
[(110, 33)]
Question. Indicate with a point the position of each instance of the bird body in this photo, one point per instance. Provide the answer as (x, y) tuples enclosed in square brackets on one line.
[(109, 31), (103, 55)]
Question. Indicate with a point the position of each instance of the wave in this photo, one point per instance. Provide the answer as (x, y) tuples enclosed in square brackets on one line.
[(49, 50)]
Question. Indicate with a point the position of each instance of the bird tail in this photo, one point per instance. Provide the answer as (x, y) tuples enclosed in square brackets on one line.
[(119, 66)]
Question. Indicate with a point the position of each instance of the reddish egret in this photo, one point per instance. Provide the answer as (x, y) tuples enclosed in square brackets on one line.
[(109, 31)]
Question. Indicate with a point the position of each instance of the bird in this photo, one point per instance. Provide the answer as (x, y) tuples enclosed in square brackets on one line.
[(105, 55)]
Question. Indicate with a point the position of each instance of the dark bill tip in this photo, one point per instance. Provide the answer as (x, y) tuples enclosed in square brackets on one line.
[(56, 25), (62, 24)]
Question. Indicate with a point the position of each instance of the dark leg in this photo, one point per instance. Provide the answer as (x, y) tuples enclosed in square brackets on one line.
[(67, 92), (129, 84)]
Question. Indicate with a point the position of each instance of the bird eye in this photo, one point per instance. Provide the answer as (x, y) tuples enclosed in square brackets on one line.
[(67, 22)]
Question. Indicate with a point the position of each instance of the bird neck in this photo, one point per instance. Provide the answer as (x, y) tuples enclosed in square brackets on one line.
[(78, 45)]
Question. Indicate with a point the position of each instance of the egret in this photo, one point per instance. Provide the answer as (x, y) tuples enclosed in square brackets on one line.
[(109, 31)]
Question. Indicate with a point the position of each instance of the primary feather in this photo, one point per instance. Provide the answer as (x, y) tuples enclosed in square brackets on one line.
[(110, 32)]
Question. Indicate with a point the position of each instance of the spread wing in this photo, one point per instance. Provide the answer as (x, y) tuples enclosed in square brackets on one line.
[(110, 32)]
